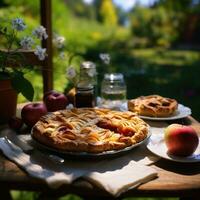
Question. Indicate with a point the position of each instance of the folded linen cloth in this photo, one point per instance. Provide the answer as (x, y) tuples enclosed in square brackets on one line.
[(116, 180), (39, 166), (115, 175), (119, 175)]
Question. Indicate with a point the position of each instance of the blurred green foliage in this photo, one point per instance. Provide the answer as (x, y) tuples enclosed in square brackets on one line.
[(108, 13), (161, 70), (156, 26), (80, 34), (166, 23)]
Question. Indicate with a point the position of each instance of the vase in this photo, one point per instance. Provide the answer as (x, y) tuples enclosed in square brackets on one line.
[(8, 101)]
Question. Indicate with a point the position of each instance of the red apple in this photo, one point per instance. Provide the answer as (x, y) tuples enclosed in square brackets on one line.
[(32, 112), (48, 93), (15, 123), (181, 140), (55, 101)]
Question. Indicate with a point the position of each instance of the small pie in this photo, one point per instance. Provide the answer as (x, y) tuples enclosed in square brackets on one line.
[(91, 130), (153, 106)]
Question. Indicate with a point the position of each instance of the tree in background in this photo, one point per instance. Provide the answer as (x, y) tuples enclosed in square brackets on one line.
[(155, 26), (107, 13), (178, 5), (80, 9), (167, 23), (189, 29)]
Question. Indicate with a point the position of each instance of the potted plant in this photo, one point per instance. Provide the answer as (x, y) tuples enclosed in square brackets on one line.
[(12, 80)]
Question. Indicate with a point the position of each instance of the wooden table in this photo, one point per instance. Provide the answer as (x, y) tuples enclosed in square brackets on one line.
[(174, 180)]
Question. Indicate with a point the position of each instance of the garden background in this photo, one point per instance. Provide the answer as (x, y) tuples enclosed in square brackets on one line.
[(156, 46)]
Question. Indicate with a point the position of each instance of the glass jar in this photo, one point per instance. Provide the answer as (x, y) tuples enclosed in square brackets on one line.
[(88, 74), (113, 90), (84, 97), (86, 87)]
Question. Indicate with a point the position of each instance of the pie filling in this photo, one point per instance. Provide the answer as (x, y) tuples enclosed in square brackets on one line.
[(123, 130)]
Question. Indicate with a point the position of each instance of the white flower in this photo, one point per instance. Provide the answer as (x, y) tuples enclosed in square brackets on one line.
[(40, 32), (105, 58), (58, 41), (40, 53), (62, 55), (71, 72), (18, 24), (26, 42)]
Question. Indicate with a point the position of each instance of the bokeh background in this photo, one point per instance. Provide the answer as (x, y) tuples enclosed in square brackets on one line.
[(154, 43)]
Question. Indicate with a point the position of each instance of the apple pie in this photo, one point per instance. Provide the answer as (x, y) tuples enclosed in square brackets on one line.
[(153, 106), (91, 130)]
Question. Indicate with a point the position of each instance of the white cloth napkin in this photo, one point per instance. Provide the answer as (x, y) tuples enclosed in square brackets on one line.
[(40, 166), (115, 175), (119, 175)]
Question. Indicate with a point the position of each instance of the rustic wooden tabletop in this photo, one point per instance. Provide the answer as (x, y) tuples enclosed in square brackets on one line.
[(174, 180)]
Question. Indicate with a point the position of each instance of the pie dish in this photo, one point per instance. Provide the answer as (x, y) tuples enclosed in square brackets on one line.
[(91, 130), (153, 106)]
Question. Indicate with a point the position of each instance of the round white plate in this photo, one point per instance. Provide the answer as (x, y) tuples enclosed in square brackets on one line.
[(157, 146), (181, 112)]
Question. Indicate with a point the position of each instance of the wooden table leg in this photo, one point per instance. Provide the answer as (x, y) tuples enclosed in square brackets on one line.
[(5, 194)]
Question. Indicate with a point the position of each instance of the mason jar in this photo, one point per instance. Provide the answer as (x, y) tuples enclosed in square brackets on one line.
[(86, 86), (88, 74), (113, 90), (84, 97)]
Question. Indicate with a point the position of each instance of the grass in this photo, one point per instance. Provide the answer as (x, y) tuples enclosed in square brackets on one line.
[(172, 73), (167, 57)]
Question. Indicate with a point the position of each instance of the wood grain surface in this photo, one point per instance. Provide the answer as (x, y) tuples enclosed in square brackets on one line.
[(174, 179)]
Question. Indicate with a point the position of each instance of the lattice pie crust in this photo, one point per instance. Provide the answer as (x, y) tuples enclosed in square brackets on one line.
[(90, 130), (153, 106)]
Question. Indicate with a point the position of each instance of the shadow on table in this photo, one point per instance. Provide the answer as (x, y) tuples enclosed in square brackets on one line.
[(179, 168)]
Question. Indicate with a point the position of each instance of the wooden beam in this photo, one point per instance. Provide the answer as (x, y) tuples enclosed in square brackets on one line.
[(46, 21), (28, 58), (31, 59)]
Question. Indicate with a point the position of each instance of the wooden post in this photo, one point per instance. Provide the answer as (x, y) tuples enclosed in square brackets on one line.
[(47, 70), (29, 58)]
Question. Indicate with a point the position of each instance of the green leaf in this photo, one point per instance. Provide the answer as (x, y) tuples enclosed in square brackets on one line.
[(22, 85)]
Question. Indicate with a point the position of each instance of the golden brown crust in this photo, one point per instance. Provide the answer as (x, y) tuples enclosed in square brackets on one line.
[(153, 106), (90, 130)]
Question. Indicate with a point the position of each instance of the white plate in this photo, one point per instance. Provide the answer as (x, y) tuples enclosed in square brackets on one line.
[(181, 112), (157, 146)]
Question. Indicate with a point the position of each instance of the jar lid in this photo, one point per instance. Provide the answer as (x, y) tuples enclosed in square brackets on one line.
[(84, 89), (88, 65), (114, 77)]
